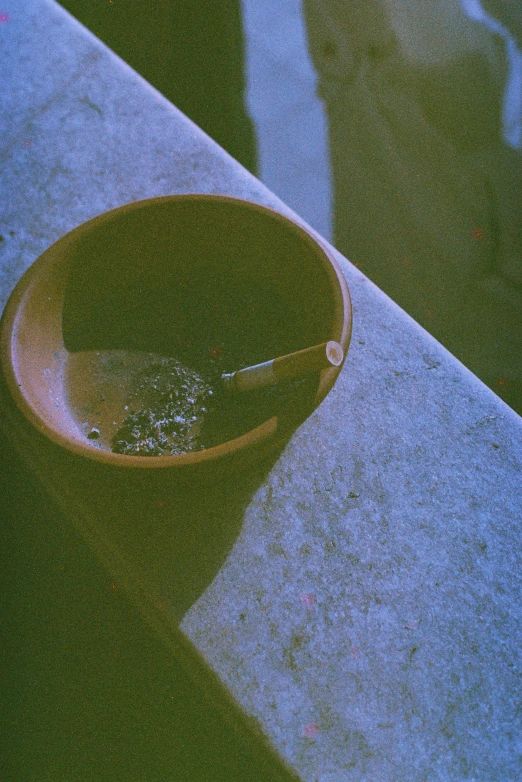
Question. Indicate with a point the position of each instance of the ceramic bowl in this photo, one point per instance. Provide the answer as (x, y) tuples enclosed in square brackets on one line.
[(180, 276)]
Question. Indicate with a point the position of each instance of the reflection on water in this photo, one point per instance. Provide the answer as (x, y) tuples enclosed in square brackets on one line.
[(424, 101), (512, 107), (290, 121)]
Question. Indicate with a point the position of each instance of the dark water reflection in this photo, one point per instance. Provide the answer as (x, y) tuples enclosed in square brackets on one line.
[(424, 106)]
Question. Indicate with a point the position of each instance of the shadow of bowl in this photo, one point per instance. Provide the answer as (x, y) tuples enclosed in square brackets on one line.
[(184, 276)]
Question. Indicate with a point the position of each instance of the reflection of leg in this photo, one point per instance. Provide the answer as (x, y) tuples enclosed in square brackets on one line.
[(508, 13), (504, 167), (462, 99), (402, 192), (417, 216), (500, 287), (191, 51)]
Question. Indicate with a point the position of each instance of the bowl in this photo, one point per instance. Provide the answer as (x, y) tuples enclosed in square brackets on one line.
[(201, 280)]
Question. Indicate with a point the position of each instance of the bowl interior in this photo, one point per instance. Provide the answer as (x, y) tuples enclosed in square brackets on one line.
[(195, 279)]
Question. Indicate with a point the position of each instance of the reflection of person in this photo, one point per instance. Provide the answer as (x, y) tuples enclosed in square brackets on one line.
[(191, 51), (427, 173)]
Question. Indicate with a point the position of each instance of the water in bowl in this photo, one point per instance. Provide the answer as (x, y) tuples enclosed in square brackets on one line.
[(145, 404)]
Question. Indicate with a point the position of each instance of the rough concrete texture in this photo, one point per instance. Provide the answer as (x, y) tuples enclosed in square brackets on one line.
[(369, 612)]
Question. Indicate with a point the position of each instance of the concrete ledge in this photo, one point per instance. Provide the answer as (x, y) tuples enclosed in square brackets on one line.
[(369, 612)]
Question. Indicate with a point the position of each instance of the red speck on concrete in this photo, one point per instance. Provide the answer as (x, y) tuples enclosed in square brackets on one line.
[(309, 600), (311, 730), (4, 17)]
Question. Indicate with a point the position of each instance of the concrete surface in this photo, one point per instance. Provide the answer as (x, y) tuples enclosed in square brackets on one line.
[(369, 612)]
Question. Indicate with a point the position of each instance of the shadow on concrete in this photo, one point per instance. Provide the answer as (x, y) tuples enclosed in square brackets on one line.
[(157, 533), (98, 681)]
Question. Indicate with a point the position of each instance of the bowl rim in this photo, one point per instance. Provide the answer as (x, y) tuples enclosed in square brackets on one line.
[(269, 432)]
